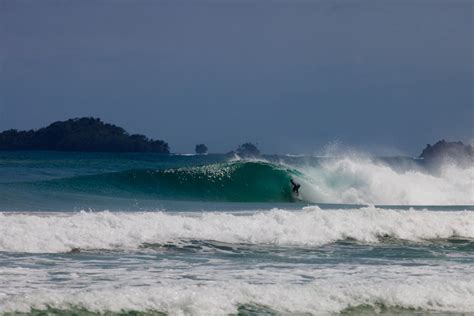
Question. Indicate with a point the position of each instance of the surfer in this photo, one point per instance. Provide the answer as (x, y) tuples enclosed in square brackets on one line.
[(295, 187)]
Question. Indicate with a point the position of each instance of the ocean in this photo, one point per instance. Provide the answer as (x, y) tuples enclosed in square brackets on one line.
[(148, 234)]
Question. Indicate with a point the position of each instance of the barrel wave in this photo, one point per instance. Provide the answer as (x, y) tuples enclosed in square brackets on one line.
[(353, 181), (227, 182)]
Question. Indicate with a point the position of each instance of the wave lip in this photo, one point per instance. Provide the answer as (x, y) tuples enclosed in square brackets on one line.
[(309, 227)]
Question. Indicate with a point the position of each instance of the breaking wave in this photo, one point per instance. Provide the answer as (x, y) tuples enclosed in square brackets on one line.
[(236, 182), (223, 299), (308, 227), (364, 181), (336, 180)]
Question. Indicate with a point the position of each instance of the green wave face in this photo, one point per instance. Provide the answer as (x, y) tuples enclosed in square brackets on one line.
[(232, 182)]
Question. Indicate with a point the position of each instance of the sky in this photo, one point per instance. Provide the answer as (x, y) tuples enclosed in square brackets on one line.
[(295, 76)]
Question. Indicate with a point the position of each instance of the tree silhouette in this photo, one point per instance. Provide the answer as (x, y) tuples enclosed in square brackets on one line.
[(247, 149), (201, 149), (80, 134)]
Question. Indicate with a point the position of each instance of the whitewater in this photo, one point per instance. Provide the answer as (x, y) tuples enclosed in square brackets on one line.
[(361, 181), (211, 235), (310, 226)]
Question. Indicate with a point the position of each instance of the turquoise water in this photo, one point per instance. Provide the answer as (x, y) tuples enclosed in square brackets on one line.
[(88, 233)]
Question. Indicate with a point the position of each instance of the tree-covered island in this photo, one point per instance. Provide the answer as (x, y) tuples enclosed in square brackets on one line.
[(457, 152), (246, 150), (80, 134)]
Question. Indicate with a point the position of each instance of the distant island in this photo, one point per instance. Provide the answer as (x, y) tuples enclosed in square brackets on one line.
[(246, 150), (201, 149), (81, 134), (89, 134), (454, 151)]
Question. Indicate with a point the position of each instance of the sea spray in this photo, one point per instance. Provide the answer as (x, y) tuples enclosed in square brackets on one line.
[(356, 180)]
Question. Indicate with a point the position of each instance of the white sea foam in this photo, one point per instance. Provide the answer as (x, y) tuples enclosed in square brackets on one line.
[(362, 181), (308, 227), (445, 288)]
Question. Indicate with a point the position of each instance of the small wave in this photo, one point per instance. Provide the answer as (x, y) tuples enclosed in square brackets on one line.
[(308, 227)]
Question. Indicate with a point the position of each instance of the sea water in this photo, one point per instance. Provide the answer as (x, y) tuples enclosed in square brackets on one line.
[(88, 233)]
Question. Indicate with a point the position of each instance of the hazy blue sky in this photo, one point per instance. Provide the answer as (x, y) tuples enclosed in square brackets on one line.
[(291, 75)]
